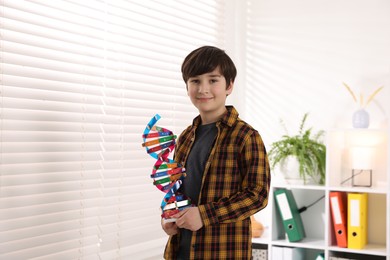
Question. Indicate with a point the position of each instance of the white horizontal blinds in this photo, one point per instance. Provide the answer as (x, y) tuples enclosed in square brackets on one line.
[(79, 82)]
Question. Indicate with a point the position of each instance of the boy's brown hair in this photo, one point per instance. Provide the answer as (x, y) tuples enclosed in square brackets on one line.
[(205, 59)]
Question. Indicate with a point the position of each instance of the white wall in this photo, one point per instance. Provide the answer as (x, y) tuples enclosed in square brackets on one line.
[(299, 52)]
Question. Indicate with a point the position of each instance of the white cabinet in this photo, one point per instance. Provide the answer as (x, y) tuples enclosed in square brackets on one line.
[(346, 150)]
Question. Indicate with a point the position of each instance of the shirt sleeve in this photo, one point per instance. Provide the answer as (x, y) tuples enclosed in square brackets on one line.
[(253, 195)]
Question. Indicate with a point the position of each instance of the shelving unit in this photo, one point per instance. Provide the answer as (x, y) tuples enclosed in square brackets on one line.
[(320, 237)]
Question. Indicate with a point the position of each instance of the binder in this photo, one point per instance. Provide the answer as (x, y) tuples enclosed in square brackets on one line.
[(357, 220), (292, 221), (338, 208)]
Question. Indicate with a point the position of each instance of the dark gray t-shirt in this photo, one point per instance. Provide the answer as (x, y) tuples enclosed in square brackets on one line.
[(196, 162)]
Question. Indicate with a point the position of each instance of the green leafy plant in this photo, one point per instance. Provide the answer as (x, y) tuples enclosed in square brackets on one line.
[(306, 147)]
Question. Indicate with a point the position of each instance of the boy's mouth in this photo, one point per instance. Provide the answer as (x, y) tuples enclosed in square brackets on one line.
[(204, 99)]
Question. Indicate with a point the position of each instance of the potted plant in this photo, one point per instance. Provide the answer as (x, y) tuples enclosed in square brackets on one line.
[(308, 150)]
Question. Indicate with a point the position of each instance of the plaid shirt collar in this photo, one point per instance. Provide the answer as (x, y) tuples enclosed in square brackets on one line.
[(229, 118)]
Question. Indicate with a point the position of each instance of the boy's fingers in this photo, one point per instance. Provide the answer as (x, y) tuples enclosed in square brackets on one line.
[(179, 214)]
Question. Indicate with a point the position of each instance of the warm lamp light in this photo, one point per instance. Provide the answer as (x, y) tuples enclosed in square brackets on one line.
[(362, 164), (361, 157)]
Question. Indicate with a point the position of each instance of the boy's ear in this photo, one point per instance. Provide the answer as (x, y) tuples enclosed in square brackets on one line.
[(229, 88)]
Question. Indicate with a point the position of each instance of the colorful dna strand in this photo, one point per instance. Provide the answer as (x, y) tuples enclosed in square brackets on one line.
[(167, 174)]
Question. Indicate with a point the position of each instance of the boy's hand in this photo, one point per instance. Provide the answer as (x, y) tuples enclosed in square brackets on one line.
[(189, 218), (169, 227)]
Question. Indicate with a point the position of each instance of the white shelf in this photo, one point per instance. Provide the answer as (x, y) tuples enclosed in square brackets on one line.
[(369, 249), (304, 243), (317, 219), (264, 239), (302, 187), (358, 189)]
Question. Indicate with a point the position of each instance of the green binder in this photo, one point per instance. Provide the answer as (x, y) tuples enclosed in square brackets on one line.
[(291, 218)]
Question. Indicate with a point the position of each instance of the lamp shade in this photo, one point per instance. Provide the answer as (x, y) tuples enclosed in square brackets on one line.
[(362, 157)]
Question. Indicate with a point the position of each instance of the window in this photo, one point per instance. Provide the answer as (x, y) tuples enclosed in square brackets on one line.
[(79, 82)]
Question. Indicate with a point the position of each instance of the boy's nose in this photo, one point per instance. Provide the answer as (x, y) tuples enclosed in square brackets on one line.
[(203, 88)]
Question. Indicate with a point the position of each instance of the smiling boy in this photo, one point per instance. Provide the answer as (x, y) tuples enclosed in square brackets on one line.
[(228, 174)]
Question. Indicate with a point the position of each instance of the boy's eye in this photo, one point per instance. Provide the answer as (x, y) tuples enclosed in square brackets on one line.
[(195, 81)]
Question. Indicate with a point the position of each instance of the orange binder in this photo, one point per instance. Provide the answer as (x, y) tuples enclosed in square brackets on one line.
[(338, 207)]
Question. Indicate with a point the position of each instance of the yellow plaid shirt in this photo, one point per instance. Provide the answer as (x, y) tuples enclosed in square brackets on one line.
[(235, 185)]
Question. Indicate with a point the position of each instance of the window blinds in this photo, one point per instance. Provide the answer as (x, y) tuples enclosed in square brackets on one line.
[(79, 82)]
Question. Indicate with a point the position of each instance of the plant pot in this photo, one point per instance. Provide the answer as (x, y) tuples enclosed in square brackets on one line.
[(290, 171)]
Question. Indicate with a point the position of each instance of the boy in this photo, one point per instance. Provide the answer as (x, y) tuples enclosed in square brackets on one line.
[(227, 167)]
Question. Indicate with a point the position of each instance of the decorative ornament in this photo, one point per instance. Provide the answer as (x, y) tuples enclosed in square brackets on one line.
[(257, 227), (167, 174), (361, 118)]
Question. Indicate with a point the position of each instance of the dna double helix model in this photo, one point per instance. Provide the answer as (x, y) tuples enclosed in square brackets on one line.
[(167, 174)]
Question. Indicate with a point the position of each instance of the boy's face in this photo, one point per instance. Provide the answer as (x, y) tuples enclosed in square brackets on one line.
[(208, 93)]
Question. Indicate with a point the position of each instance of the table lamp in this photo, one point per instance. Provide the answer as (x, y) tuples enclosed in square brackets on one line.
[(362, 164)]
